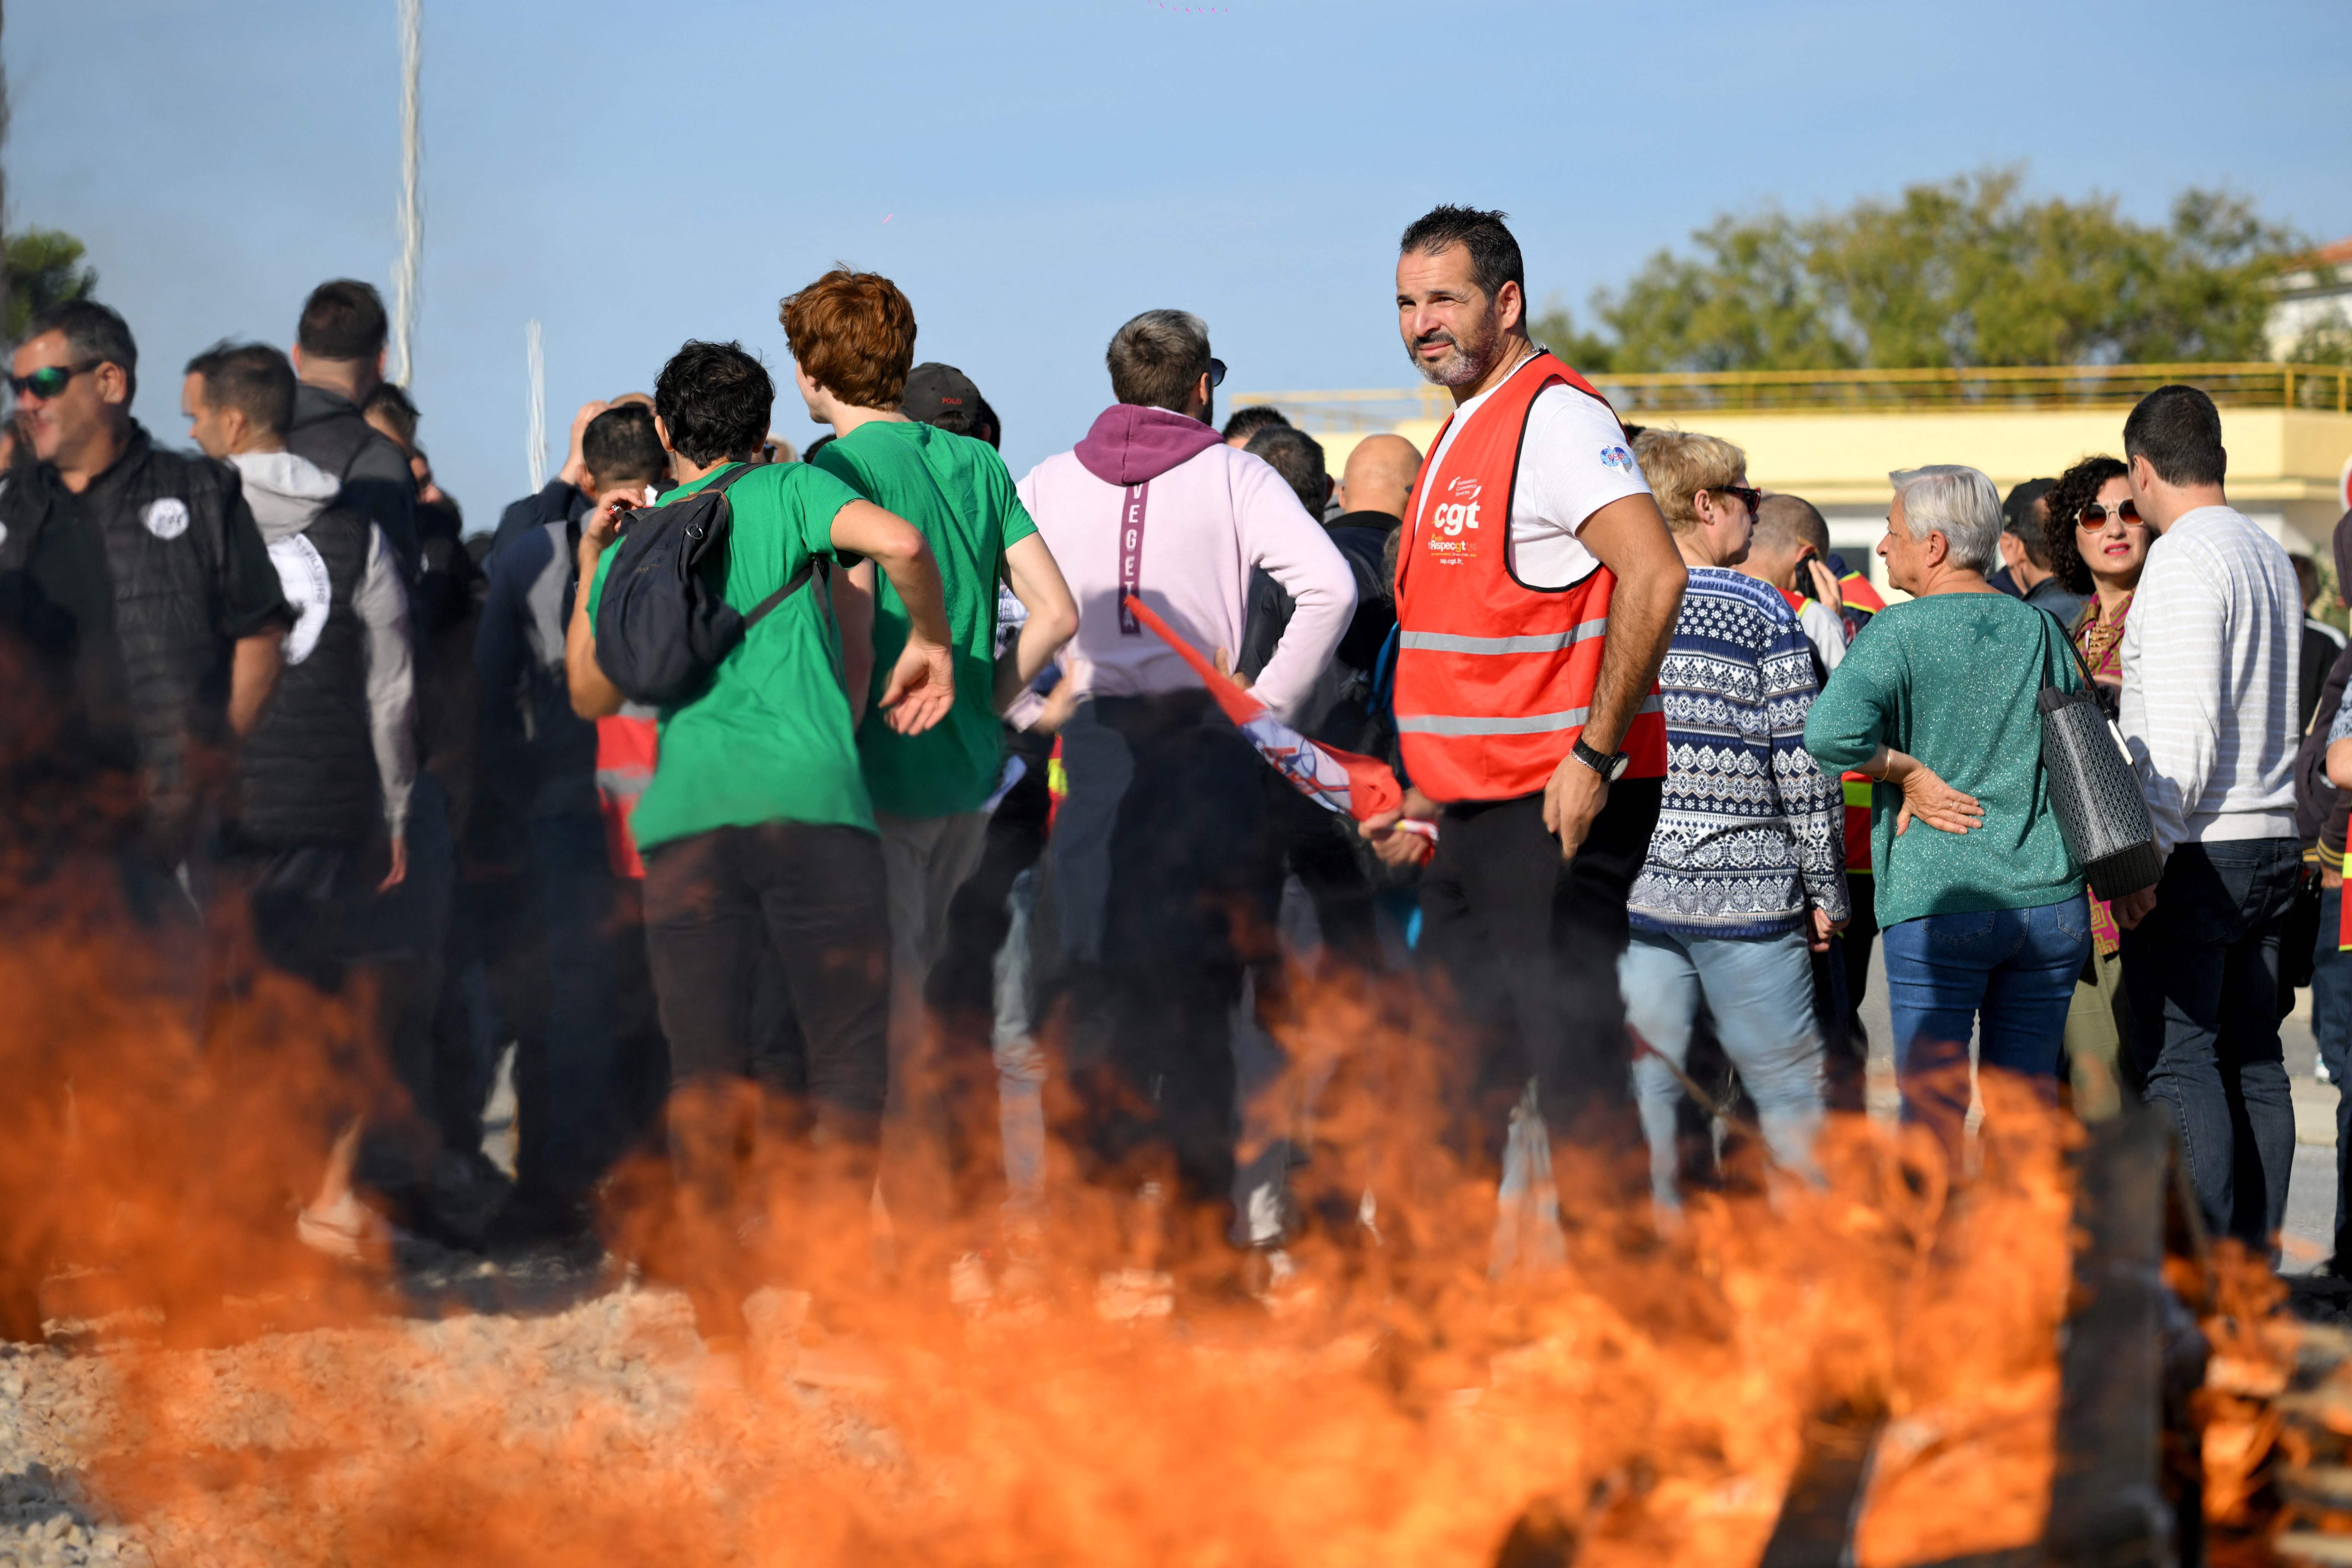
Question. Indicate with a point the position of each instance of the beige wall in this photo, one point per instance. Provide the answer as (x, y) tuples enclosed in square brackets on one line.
[(2286, 465)]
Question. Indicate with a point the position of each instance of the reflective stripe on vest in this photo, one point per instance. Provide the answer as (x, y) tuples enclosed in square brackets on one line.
[(1495, 680)]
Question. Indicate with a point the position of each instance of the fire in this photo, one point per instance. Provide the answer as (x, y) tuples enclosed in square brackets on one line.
[(1645, 1398)]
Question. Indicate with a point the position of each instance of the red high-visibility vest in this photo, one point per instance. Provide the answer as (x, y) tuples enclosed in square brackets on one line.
[(1494, 679), (626, 748)]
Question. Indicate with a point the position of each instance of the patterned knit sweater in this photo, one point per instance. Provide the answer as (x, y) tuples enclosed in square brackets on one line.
[(1748, 829)]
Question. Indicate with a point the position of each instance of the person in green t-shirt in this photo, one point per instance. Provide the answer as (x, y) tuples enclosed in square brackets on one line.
[(1980, 908), (757, 834), (853, 340)]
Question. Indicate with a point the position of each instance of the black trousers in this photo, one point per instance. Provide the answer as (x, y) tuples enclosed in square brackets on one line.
[(1192, 883), (1525, 946), (770, 954)]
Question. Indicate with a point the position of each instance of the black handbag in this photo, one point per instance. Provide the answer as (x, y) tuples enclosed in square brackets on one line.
[(2100, 812)]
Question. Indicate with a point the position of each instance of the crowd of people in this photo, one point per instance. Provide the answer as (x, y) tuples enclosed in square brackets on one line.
[(932, 820)]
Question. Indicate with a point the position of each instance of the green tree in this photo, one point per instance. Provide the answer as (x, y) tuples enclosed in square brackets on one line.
[(44, 268), (1965, 272)]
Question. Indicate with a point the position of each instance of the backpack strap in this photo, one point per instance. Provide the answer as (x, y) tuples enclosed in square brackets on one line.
[(774, 602)]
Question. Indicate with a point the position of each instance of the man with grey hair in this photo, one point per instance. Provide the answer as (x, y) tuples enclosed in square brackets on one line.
[(1166, 865)]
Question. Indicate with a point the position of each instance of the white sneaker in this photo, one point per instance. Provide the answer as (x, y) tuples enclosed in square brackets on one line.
[(1134, 1295), (346, 1230)]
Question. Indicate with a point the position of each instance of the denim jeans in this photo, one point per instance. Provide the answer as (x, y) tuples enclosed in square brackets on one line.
[(2007, 973), (2201, 973), (1760, 991), (2331, 1020)]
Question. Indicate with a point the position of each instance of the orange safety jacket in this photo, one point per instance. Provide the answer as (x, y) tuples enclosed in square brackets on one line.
[(627, 748), (1495, 678)]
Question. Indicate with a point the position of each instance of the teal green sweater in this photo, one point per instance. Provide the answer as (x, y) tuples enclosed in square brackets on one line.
[(1953, 681)]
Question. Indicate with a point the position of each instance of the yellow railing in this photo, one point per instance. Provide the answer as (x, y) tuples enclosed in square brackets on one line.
[(1988, 388)]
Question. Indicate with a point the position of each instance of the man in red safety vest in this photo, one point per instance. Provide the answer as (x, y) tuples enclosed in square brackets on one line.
[(1537, 590)]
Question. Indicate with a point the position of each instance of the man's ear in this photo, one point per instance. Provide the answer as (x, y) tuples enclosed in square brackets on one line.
[(113, 385), (1510, 306), (379, 361), (661, 434)]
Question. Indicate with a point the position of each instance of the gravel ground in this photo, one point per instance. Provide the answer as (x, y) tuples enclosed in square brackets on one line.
[(267, 1437)]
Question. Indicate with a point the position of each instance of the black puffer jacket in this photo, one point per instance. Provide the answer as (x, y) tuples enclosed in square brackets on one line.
[(190, 577)]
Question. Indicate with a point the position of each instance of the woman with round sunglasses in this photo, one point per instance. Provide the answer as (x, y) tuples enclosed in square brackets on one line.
[(2098, 546)]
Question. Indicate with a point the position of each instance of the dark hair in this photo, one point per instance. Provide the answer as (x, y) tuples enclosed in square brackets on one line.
[(2017, 518), (979, 423), (343, 319), (1299, 459), (2073, 490), (398, 409), (1494, 254), (854, 333), (1157, 359), (621, 448), (252, 378), (2306, 577), (1249, 421), (819, 445), (2179, 431), (92, 332), (715, 399)]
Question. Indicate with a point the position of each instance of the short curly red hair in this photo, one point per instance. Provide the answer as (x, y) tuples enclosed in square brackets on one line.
[(854, 334)]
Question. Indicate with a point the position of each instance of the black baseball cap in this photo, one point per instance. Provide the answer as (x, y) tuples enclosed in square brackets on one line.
[(933, 389)]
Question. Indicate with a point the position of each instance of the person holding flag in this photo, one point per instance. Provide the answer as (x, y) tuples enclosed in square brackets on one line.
[(1537, 591)]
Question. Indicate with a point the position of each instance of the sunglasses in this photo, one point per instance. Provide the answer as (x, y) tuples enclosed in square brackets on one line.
[(1748, 495), (2094, 516), (50, 379), (1217, 372)]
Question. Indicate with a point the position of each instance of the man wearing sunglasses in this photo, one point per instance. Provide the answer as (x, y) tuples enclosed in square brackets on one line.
[(139, 575)]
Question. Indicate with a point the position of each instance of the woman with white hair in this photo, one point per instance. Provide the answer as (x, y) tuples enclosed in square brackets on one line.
[(1979, 901)]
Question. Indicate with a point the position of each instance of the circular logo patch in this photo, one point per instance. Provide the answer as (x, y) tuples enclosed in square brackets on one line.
[(167, 518)]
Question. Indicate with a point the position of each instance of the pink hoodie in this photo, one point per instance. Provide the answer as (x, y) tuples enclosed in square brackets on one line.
[(1209, 513)]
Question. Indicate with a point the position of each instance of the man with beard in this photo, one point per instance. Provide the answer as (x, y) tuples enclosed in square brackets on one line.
[(1537, 590)]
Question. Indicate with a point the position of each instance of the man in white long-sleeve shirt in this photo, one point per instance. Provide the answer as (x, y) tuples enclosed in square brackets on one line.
[(1167, 868), (2209, 714)]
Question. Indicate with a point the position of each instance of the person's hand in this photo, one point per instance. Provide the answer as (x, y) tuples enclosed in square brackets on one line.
[(1824, 581), (2330, 875), (1060, 703), (1929, 798), (1571, 800), (575, 467), (602, 524), (1224, 662), (1820, 928), (399, 872), (921, 689), (2134, 908), (1399, 845)]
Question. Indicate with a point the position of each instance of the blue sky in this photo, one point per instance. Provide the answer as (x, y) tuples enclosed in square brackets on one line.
[(1033, 173)]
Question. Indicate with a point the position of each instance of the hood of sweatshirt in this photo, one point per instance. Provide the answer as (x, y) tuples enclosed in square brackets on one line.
[(286, 492), (1131, 444)]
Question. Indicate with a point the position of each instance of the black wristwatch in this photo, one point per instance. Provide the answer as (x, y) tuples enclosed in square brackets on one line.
[(1611, 768)]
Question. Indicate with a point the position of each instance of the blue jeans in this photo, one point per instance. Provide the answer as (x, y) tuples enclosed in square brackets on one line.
[(2202, 975), (1760, 991), (2009, 973), (2331, 1020)]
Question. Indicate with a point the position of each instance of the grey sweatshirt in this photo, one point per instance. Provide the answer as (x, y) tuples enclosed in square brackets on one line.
[(287, 493)]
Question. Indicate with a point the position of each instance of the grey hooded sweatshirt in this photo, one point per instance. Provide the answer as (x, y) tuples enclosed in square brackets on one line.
[(287, 493)]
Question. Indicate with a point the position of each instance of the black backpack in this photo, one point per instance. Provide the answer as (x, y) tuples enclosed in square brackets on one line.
[(663, 624)]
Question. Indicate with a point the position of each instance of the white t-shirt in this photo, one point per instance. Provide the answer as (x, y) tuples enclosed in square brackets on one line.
[(1574, 461)]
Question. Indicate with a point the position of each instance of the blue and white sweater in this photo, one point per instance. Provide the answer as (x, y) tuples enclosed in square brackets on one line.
[(1749, 831)]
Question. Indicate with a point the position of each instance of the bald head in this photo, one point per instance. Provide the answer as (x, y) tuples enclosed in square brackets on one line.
[(1379, 475), (1787, 529)]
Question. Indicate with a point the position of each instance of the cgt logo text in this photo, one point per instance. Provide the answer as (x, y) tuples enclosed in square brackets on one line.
[(1451, 518)]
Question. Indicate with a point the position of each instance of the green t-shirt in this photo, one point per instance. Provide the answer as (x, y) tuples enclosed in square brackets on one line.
[(1954, 680), (956, 490), (769, 739)]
